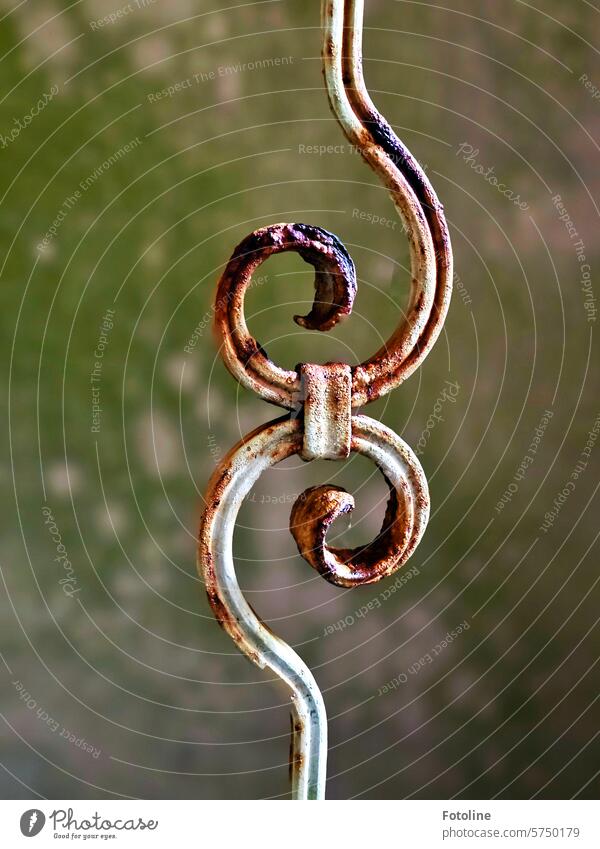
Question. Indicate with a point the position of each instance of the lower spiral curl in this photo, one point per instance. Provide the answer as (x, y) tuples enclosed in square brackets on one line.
[(405, 517)]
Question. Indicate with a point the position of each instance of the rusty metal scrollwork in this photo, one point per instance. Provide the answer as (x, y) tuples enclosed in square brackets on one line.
[(329, 426)]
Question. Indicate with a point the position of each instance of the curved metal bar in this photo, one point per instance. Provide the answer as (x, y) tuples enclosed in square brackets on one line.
[(412, 193), (403, 526), (231, 482)]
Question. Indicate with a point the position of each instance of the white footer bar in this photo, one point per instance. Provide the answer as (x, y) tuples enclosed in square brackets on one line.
[(289, 825)]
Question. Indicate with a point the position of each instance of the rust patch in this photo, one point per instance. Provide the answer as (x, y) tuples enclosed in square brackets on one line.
[(335, 290)]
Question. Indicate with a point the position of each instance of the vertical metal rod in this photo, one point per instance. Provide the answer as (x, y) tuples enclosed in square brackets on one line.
[(408, 506)]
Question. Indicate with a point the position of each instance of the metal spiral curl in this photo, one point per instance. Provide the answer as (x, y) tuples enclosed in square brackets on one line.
[(405, 518), (328, 429)]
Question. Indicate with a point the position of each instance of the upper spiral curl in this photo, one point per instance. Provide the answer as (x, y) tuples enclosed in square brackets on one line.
[(335, 289)]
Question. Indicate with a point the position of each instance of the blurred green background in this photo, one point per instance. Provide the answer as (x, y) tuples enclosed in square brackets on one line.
[(119, 195)]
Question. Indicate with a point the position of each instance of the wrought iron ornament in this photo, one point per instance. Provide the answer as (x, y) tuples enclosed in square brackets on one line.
[(329, 428)]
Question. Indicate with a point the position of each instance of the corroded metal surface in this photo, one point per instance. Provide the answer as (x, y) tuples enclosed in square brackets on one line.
[(403, 525), (326, 396), (335, 288), (323, 397)]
